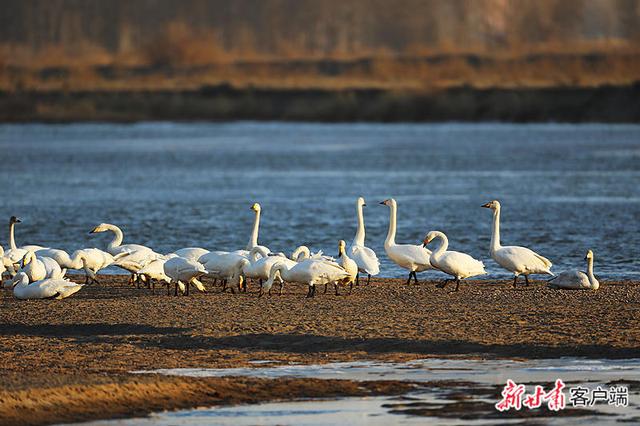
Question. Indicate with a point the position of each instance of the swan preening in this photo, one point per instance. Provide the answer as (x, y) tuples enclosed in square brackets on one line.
[(37, 270), (519, 260), (577, 280), (458, 265)]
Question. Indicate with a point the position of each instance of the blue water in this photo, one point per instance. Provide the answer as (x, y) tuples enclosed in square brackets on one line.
[(564, 188)]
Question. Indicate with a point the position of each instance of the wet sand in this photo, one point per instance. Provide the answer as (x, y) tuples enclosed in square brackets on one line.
[(68, 360)]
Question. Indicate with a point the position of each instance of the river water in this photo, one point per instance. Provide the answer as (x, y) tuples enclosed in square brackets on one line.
[(564, 188)]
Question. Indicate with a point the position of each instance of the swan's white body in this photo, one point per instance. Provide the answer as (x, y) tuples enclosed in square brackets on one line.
[(49, 288), (38, 269), (191, 253), (225, 266), (364, 257), (310, 272), (348, 264), (411, 257), (261, 263), (577, 280), (458, 265), (137, 256), (154, 270), (516, 259), (60, 256), (183, 272), (2, 267)]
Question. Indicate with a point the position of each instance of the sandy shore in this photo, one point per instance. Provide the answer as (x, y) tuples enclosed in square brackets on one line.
[(65, 360)]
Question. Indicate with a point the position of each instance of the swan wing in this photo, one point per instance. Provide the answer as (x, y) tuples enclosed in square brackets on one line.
[(458, 264), (570, 280), (366, 259), (522, 260), (410, 255)]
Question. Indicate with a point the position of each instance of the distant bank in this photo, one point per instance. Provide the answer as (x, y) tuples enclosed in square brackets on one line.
[(223, 102)]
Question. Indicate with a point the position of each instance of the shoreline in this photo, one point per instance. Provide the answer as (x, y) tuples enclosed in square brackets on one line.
[(70, 359), (223, 102)]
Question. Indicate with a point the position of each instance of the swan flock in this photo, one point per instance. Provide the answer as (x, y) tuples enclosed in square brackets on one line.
[(37, 272)]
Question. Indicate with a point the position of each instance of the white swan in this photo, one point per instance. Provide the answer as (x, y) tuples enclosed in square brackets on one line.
[(184, 272), (519, 260), (45, 289), (3, 269), (14, 255), (225, 266), (458, 265), (364, 257), (38, 269), (92, 260), (60, 256), (191, 253), (137, 255), (348, 264), (577, 280), (310, 272), (414, 258), (154, 270), (253, 241)]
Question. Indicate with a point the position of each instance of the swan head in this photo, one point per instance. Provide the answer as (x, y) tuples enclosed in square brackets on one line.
[(493, 205), (100, 228), (360, 202), (388, 202), (429, 237), (13, 220), (341, 247), (589, 255), (256, 207)]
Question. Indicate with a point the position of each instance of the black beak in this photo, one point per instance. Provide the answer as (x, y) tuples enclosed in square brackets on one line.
[(364, 205), (92, 232), (382, 202), (486, 206), (586, 258), (424, 244)]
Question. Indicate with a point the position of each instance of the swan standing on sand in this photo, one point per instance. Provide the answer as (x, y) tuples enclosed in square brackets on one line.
[(38, 269), (310, 272), (364, 257), (49, 288), (137, 255), (519, 260), (577, 280), (348, 265), (458, 265), (183, 271), (227, 267), (415, 258)]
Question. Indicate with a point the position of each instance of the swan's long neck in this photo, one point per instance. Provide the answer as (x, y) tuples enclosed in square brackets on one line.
[(253, 241), (12, 239), (118, 237), (301, 253), (257, 253), (444, 244), (391, 235), (495, 235), (278, 268), (358, 240), (592, 278)]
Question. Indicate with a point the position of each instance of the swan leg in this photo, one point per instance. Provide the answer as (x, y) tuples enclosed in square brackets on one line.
[(281, 288), (515, 280), (409, 280), (325, 288), (457, 285), (368, 278), (188, 286), (350, 287), (444, 283), (335, 286), (358, 278), (176, 292), (526, 280), (152, 283)]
